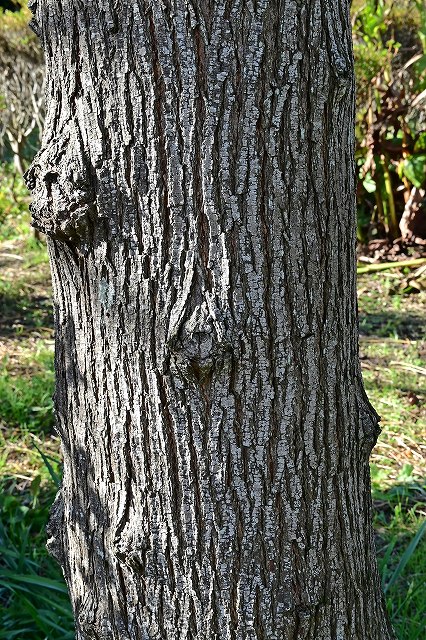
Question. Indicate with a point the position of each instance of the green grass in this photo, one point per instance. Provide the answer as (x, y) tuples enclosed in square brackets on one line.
[(26, 418), (385, 313), (398, 393), (34, 603), (14, 200), (26, 400), (401, 544)]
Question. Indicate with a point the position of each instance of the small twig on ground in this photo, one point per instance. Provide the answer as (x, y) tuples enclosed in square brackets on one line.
[(391, 265), (12, 256), (410, 367)]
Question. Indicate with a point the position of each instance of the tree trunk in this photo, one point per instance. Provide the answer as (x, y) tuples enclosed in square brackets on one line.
[(197, 184)]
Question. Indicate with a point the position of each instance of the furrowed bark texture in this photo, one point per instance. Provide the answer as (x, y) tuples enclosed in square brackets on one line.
[(196, 182)]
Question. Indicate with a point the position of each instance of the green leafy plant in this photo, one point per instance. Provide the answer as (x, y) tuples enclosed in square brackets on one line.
[(390, 64)]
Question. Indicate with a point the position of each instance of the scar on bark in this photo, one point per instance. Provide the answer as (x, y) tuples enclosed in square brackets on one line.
[(63, 198)]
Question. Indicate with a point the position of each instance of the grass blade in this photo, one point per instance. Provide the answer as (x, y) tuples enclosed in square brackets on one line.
[(406, 557), (55, 477), (35, 581)]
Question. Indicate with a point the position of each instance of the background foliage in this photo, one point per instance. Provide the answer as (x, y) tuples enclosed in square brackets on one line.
[(390, 64)]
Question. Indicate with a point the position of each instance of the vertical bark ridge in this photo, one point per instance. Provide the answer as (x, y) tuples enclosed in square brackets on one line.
[(197, 184)]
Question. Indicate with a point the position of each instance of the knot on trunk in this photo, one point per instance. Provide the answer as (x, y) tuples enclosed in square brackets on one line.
[(135, 558), (199, 345), (369, 423), (63, 201), (130, 550)]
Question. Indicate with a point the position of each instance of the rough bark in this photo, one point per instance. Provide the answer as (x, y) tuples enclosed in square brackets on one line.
[(196, 182)]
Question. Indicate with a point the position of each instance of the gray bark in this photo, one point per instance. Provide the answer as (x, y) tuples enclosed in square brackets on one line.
[(196, 182)]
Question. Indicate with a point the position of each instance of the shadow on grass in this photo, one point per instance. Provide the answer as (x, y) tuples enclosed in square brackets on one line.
[(21, 314), (408, 385), (392, 324)]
